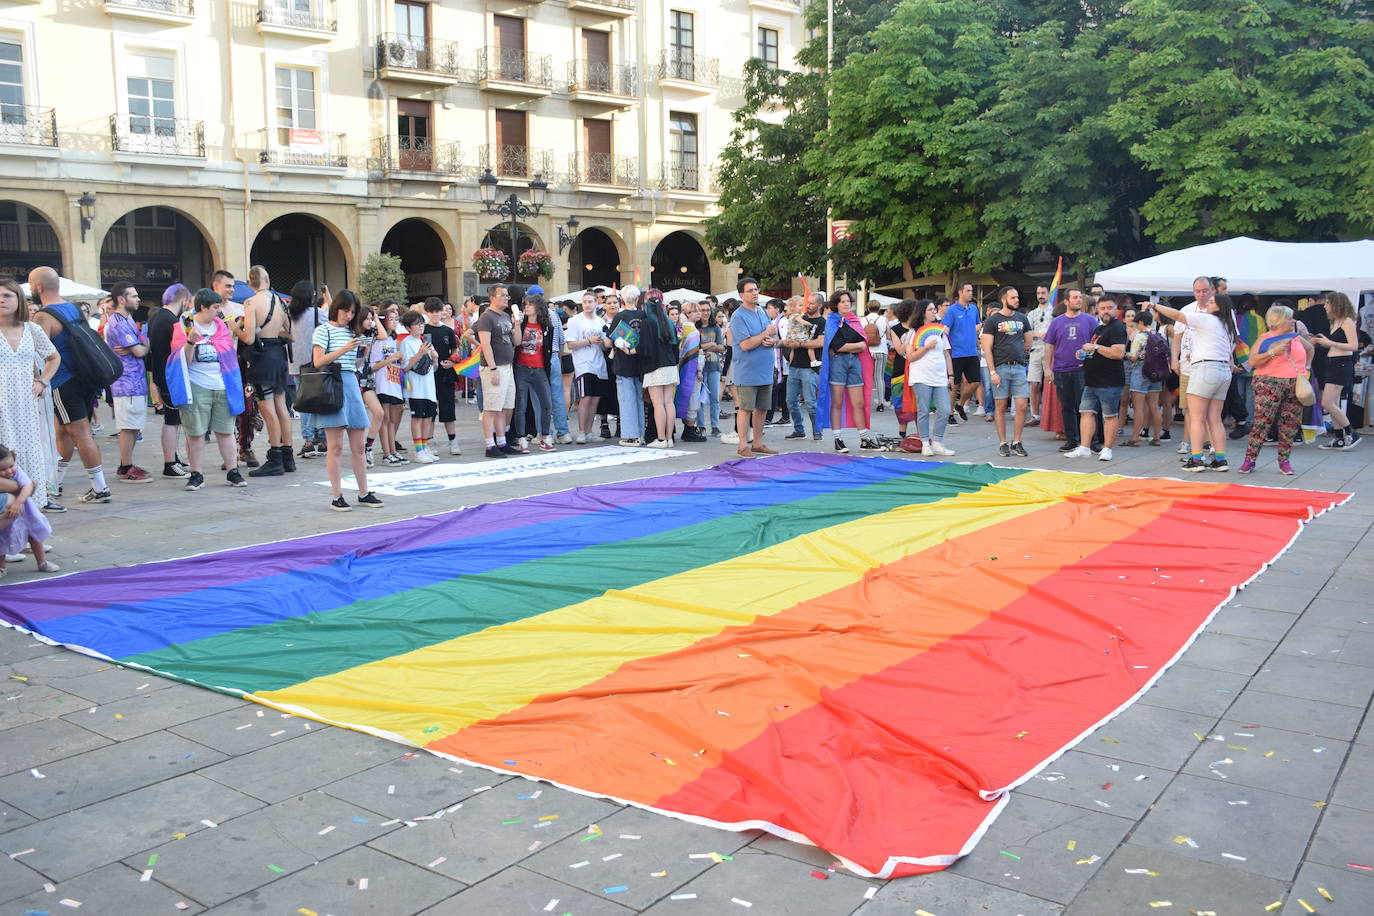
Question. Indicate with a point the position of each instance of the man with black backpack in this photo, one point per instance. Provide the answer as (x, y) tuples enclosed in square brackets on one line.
[(75, 385)]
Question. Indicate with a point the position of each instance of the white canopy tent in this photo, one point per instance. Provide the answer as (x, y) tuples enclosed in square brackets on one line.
[(682, 294), (72, 291), (1252, 266)]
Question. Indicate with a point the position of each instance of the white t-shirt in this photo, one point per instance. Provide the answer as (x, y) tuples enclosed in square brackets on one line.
[(420, 387), (876, 318), (388, 378), (930, 369), (202, 362), (1185, 339), (1210, 340), (589, 359)]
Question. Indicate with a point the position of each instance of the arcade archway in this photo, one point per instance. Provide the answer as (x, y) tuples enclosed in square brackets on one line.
[(298, 247), (154, 247), (424, 258), (27, 240), (679, 260)]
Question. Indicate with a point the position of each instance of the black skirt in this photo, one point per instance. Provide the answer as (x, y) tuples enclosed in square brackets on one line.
[(267, 366)]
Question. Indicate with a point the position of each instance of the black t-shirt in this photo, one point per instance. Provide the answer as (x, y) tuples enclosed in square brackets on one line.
[(1100, 371), (1008, 337), (1317, 322), (801, 357), (444, 341), (160, 326), (625, 364), (845, 335)]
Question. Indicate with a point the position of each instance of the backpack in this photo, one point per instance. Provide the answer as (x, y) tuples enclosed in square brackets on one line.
[(93, 362), (1155, 362)]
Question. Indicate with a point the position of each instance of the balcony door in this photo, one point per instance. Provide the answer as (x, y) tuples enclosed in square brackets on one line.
[(512, 144), (596, 135), (509, 32), (596, 48), (682, 44), (414, 142), (411, 46), (150, 94), (682, 150)]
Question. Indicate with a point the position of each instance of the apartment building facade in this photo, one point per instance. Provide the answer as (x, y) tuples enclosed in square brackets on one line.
[(156, 140)]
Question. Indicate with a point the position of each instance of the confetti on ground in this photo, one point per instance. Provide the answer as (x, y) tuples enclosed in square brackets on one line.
[(437, 862), (1009, 855), (362, 884), (209, 823), (658, 874), (1089, 861), (1273, 906), (618, 889), (1241, 802), (15, 855), (1326, 894), (147, 875), (682, 897), (1227, 855), (1347, 865), (743, 903), (1071, 845), (612, 856), (1142, 871), (1306, 906), (1161, 903), (924, 913), (152, 860), (535, 845), (549, 907), (518, 820), (868, 894), (623, 836), (819, 875), (37, 775), (360, 820), (67, 901), (304, 912), (276, 868), (579, 864)]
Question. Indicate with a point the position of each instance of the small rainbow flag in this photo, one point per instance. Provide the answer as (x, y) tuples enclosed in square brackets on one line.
[(470, 367), (1054, 284)]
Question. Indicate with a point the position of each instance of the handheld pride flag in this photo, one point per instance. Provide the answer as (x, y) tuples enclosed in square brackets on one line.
[(470, 367), (1054, 284)]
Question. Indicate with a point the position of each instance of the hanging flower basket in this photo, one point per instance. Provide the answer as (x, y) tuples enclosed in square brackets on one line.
[(534, 264), (491, 263)]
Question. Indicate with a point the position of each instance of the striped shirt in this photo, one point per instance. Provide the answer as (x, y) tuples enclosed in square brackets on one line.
[(331, 338)]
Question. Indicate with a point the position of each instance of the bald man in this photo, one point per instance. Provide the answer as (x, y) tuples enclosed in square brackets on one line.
[(71, 398)]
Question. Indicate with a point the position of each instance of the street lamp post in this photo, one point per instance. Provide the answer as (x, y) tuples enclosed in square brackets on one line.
[(513, 207)]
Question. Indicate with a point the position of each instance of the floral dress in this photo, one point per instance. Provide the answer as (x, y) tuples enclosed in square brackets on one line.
[(22, 426)]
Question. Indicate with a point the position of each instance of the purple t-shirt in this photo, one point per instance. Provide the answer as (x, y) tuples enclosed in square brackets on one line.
[(120, 331), (1066, 335)]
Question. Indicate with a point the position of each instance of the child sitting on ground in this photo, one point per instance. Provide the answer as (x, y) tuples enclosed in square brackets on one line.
[(20, 520)]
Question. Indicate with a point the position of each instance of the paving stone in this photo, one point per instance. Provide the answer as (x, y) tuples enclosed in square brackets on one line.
[(114, 683), (105, 772), (518, 890), (664, 844), (16, 878), (12, 818), (58, 666), (474, 844), (1308, 640), (1269, 831), (946, 893), (1358, 649), (772, 884), (38, 743), (16, 646), (1039, 831), (1149, 735), (1275, 597), (1255, 623), (1353, 614), (1355, 788), (1235, 654), (35, 704), (1256, 707), (410, 787), (1301, 765), (1344, 835), (112, 889), (1077, 778), (246, 728), (307, 762), (151, 710), (249, 851), (1204, 691), (1189, 885), (1311, 679), (802, 852), (1353, 893), (73, 843)]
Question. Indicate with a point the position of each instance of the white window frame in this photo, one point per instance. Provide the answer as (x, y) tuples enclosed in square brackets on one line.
[(22, 33), (125, 45), (759, 28), (315, 61)]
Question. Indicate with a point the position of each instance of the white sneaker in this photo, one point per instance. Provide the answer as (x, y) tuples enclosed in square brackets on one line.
[(428, 457), (453, 448), (658, 443), (1081, 452), (730, 438), (939, 449), (581, 439), (1105, 454), (978, 412), (927, 449), (565, 439), (1183, 447)]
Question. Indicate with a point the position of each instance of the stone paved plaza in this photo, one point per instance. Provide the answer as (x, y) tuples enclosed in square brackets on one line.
[(123, 793)]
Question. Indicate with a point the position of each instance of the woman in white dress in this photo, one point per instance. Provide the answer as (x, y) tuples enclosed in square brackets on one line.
[(22, 390)]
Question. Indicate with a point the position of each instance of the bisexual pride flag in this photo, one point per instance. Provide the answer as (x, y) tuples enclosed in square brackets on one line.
[(866, 654)]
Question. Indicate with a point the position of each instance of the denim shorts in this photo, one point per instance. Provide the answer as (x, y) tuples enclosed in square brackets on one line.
[(1014, 383), (1209, 379), (1108, 400), (846, 371), (1138, 381)]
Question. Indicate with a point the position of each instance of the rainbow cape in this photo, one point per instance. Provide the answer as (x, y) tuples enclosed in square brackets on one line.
[(1054, 285), (471, 366), (862, 653)]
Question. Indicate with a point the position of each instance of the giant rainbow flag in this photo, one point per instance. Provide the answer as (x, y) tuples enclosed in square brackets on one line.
[(861, 653)]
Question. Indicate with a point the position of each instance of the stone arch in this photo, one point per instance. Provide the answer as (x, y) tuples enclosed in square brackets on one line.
[(597, 257), (29, 238), (156, 246), (679, 259), (427, 253), (295, 245)]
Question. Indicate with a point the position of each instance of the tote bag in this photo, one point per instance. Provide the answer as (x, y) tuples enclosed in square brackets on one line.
[(320, 390)]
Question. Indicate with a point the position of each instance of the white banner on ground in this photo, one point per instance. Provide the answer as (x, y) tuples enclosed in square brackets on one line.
[(428, 478)]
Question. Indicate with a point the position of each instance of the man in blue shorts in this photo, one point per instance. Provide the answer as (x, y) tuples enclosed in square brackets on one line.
[(1006, 340)]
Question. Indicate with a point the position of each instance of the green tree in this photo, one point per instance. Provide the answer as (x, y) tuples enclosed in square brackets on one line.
[(1248, 114), (381, 278)]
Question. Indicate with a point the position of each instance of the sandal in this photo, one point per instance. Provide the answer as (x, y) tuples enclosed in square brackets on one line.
[(1130, 443), (1154, 442)]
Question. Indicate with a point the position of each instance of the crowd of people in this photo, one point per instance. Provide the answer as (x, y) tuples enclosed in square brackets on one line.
[(1098, 371)]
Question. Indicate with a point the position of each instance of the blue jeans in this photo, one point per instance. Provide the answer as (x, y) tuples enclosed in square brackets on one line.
[(630, 406), (560, 407), (932, 410), (711, 381), (802, 384), (532, 383)]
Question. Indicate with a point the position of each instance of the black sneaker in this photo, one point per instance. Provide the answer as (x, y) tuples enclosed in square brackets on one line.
[(1067, 447), (340, 505), (494, 451), (94, 496), (959, 408), (1165, 436), (195, 481), (840, 447), (1336, 443), (870, 444), (1218, 464), (173, 471), (795, 435), (397, 447), (1240, 431), (369, 500), (235, 479), (605, 430), (54, 507), (1352, 439), (1019, 450), (509, 449), (881, 408), (1194, 466), (952, 420), (1003, 451)]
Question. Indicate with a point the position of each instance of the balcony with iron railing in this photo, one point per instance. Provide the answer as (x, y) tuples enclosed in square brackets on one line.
[(618, 9), (603, 169), (418, 60), (318, 22), (166, 12), (417, 155), (155, 136), (602, 83), (514, 71), (291, 146), (679, 175), (684, 70), (516, 161), (27, 125)]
